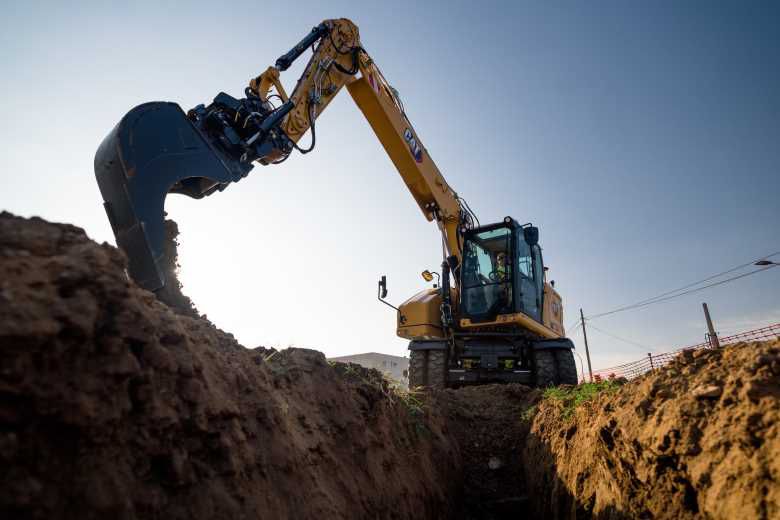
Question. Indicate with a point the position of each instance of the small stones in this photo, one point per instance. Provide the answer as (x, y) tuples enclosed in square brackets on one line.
[(755, 390), (770, 360), (766, 359), (192, 391), (159, 358), (643, 409), (495, 463), (122, 365), (707, 392)]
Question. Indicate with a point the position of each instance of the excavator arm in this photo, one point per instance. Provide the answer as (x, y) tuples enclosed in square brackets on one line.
[(157, 149)]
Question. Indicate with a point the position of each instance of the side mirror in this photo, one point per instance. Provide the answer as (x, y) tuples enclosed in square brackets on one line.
[(428, 276), (381, 294), (531, 235)]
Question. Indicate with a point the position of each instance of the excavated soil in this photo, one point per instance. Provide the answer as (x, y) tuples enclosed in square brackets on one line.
[(171, 294), (114, 405), (697, 439)]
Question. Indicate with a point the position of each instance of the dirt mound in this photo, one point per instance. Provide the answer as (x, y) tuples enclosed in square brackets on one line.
[(490, 424), (697, 439), (112, 405)]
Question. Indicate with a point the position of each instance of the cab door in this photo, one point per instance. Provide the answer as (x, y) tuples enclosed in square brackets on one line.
[(529, 278), (538, 279)]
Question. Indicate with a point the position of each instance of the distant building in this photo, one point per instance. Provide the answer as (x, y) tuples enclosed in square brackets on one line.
[(394, 367)]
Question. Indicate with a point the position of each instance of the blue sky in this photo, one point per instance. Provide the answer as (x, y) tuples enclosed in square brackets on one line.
[(643, 139)]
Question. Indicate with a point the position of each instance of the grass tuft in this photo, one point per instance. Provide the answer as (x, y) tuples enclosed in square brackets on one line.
[(529, 413), (571, 397), (395, 393)]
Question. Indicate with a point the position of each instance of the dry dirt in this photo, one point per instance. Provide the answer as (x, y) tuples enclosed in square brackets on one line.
[(113, 405), (697, 439), (172, 294)]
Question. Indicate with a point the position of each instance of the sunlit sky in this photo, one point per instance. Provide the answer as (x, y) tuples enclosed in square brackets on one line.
[(642, 138)]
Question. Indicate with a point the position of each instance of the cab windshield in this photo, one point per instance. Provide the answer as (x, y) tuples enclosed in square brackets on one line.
[(486, 289)]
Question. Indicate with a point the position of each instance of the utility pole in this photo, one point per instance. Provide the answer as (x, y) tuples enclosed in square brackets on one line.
[(712, 336), (587, 352)]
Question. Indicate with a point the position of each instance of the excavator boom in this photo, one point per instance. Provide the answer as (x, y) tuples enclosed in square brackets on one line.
[(157, 149)]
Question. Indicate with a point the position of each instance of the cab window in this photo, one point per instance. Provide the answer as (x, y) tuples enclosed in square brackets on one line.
[(487, 274), (529, 280)]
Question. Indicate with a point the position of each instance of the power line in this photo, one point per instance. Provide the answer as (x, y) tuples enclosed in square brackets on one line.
[(650, 300), (659, 300), (692, 290), (672, 294), (572, 329), (644, 347)]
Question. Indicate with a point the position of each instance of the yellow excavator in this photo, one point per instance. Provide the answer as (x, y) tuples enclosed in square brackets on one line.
[(490, 315)]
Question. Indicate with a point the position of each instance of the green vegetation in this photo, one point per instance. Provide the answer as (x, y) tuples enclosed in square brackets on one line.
[(528, 413), (414, 403), (412, 400), (572, 397)]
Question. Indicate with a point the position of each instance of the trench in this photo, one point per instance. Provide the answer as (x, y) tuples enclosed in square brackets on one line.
[(490, 424)]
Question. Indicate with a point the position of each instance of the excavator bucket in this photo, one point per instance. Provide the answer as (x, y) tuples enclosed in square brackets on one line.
[(155, 150)]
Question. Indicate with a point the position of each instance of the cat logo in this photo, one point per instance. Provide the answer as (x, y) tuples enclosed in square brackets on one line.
[(414, 146)]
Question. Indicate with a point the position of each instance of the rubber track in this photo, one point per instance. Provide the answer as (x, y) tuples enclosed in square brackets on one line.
[(428, 368), (544, 368), (567, 367), (555, 367)]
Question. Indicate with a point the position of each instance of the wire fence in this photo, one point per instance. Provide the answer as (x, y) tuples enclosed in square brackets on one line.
[(653, 361)]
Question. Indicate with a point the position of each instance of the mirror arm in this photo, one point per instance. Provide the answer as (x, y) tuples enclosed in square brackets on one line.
[(381, 292)]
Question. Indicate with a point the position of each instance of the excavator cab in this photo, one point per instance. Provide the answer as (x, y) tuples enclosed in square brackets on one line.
[(502, 272), (508, 327)]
